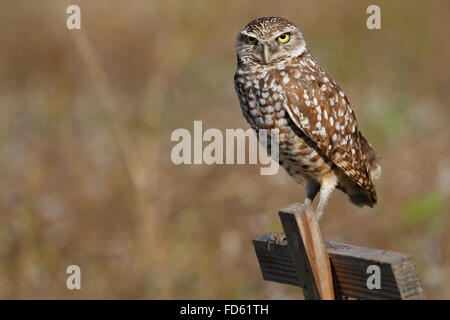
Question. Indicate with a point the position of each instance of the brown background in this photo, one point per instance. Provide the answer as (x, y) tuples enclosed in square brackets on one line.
[(85, 124)]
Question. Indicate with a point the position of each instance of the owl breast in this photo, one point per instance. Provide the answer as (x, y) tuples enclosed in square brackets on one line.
[(262, 101)]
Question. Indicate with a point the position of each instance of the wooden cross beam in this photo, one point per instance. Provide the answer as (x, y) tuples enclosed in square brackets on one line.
[(331, 270)]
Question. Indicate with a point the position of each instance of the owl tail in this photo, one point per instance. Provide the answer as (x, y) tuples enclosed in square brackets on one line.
[(363, 197), (357, 194), (372, 157)]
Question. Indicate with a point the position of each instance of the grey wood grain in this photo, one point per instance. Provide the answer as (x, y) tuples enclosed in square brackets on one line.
[(298, 254)]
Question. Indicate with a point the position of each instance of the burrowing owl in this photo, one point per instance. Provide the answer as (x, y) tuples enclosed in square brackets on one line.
[(281, 86)]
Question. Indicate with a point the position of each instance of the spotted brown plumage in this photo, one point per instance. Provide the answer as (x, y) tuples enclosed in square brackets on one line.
[(281, 86)]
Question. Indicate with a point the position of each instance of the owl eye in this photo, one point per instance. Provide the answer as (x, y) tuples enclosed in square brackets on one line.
[(251, 40), (284, 38)]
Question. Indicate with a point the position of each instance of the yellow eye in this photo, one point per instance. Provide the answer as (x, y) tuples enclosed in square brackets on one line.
[(284, 38), (251, 40)]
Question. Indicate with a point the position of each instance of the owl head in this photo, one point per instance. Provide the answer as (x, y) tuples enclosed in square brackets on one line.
[(268, 41)]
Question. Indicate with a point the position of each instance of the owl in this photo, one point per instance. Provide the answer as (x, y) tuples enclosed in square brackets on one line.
[(281, 86)]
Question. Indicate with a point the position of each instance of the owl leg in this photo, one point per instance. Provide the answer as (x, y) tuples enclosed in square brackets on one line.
[(326, 189), (312, 188)]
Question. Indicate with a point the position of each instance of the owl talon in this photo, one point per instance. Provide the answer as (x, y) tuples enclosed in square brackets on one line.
[(276, 238)]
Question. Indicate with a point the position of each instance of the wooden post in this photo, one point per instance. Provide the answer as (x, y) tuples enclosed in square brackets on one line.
[(299, 261), (308, 251)]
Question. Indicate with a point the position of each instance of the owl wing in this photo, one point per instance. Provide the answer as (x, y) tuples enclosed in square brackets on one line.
[(318, 107)]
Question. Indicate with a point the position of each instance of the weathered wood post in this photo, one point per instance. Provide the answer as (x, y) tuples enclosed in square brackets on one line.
[(330, 270), (308, 251)]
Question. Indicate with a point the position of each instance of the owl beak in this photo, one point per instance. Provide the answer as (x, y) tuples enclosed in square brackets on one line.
[(266, 52)]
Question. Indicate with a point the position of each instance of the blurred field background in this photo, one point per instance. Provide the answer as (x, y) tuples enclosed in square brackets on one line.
[(85, 124)]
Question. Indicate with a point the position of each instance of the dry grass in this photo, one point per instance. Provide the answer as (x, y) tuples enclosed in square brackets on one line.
[(86, 118)]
